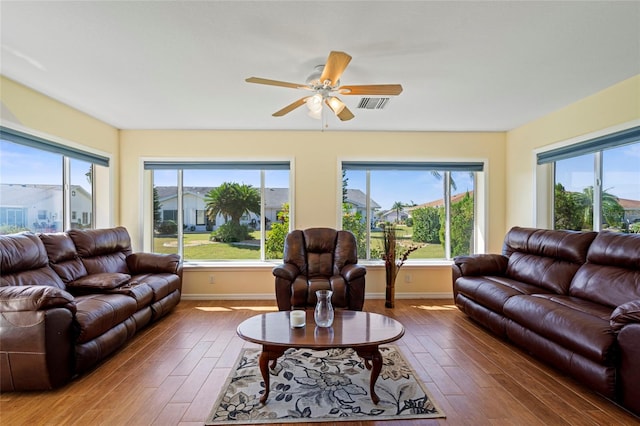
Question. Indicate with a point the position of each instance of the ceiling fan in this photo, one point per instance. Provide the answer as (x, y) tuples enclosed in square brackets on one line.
[(324, 82)]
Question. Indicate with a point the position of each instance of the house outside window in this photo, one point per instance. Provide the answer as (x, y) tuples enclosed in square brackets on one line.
[(596, 183), (220, 211), (431, 205)]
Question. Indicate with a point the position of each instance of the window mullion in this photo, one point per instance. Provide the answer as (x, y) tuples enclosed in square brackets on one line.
[(597, 191), (368, 215), (447, 214), (180, 215), (66, 193), (263, 224)]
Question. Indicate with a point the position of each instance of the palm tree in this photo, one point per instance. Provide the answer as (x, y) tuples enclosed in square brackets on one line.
[(232, 200), (398, 207), (612, 211)]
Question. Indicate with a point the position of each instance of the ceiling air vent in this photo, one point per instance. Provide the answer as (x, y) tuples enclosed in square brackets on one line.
[(373, 103)]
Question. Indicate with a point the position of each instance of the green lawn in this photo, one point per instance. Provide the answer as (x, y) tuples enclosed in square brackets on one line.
[(198, 247)]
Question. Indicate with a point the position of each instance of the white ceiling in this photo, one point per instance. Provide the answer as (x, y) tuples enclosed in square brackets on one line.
[(479, 65)]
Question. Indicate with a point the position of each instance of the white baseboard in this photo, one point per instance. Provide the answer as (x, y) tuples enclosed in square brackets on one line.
[(271, 296)]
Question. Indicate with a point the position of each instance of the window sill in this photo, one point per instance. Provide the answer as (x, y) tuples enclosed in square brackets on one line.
[(256, 264)]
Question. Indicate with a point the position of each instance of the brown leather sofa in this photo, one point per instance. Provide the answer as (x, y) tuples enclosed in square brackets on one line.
[(320, 259), (69, 300), (572, 299)]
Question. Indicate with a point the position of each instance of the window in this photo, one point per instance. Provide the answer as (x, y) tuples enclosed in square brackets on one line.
[(33, 176), (227, 211), (432, 205), (596, 184)]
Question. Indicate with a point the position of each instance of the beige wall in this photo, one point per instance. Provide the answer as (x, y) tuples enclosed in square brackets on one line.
[(612, 107), (317, 188), (26, 109)]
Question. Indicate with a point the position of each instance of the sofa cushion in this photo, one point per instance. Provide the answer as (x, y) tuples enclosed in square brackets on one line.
[(611, 275), (63, 257), (578, 325), (98, 313), (492, 292), (102, 250), (546, 258), (104, 281), (160, 284), (23, 261)]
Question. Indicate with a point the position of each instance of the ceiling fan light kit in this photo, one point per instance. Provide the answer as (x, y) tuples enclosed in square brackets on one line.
[(325, 82)]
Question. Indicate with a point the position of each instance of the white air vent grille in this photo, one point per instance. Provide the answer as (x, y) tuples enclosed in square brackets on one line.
[(373, 103)]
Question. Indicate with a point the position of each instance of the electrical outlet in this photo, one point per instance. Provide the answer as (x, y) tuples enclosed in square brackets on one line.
[(407, 278), (212, 279)]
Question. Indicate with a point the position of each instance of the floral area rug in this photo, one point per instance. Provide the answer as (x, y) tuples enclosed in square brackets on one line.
[(322, 386)]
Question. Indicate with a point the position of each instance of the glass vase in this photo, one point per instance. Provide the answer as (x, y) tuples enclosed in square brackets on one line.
[(323, 313)]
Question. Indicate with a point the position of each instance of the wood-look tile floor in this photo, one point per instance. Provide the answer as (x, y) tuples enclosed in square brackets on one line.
[(172, 372)]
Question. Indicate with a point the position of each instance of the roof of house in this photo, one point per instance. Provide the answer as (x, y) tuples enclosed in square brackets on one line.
[(18, 195), (274, 197), (439, 203), (629, 204)]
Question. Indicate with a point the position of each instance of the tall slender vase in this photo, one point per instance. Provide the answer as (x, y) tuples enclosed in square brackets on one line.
[(323, 313), (390, 293)]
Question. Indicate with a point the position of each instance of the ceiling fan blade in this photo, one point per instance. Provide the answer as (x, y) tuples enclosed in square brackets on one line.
[(268, 82), (335, 66), (339, 108), (372, 89), (290, 107), (345, 114)]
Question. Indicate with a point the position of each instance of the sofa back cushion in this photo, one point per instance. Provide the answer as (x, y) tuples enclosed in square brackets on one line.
[(611, 275), (23, 261), (102, 250), (63, 257), (546, 258)]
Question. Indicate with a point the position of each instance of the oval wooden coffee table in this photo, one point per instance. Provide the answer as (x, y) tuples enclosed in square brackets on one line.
[(362, 331)]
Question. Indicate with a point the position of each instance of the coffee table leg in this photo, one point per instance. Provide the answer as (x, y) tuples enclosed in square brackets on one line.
[(372, 354), (268, 354), (264, 370)]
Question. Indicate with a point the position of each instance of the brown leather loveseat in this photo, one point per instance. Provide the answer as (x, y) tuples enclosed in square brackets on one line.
[(572, 299), (320, 259), (68, 300)]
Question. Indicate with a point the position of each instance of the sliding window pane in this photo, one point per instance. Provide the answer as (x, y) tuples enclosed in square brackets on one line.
[(276, 212), (165, 213), (573, 194), (462, 213), (621, 188), (30, 190), (81, 173), (354, 211)]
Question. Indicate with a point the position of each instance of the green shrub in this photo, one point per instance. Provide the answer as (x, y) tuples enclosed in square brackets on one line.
[(274, 245), (461, 226), (355, 223), (426, 225), (167, 227), (231, 232)]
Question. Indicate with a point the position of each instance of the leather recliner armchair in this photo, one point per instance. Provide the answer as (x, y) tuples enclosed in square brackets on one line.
[(320, 259)]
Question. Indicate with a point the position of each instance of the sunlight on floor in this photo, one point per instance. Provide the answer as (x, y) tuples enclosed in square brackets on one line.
[(237, 308), (436, 308)]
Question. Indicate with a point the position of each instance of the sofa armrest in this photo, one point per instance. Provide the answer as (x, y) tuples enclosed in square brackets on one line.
[(353, 271), (286, 271), (481, 264), (35, 298), (627, 313), (153, 263), (629, 372)]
